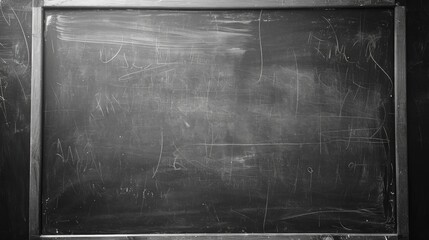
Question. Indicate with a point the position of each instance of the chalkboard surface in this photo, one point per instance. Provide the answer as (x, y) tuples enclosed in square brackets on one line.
[(268, 121)]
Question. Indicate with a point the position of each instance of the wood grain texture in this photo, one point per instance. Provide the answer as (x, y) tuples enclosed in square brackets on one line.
[(217, 4), (401, 122), (36, 119)]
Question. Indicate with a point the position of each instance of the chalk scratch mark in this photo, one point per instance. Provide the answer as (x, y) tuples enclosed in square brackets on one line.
[(241, 214), (160, 154), (126, 61), (344, 101), (345, 228), (260, 48), (370, 140), (2, 13), (20, 84), (60, 152), (351, 132), (3, 100), (310, 171), (388, 142), (363, 211), (98, 99), (320, 134), (25, 38), (381, 125), (129, 75), (266, 207), (52, 46), (296, 176), (337, 47), (297, 83), (378, 65), (143, 195), (116, 54)]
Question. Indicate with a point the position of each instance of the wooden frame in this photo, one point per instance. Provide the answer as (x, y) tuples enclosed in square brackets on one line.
[(36, 122), (402, 231), (401, 122), (207, 4)]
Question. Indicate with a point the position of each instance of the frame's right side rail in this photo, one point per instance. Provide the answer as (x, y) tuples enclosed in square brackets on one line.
[(401, 124)]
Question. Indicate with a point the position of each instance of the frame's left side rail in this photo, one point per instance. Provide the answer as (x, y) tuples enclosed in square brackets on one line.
[(36, 123)]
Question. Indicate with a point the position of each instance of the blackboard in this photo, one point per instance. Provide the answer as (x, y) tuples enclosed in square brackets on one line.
[(224, 121)]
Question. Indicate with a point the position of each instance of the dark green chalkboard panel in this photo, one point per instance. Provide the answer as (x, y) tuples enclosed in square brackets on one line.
[(269, 121)]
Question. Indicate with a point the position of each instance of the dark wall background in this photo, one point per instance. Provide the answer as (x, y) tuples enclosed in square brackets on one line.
[(15, 72), (418, 115), (15, 68)]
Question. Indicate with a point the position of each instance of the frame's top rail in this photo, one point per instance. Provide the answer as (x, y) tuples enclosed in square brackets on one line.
[(205, 4)]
